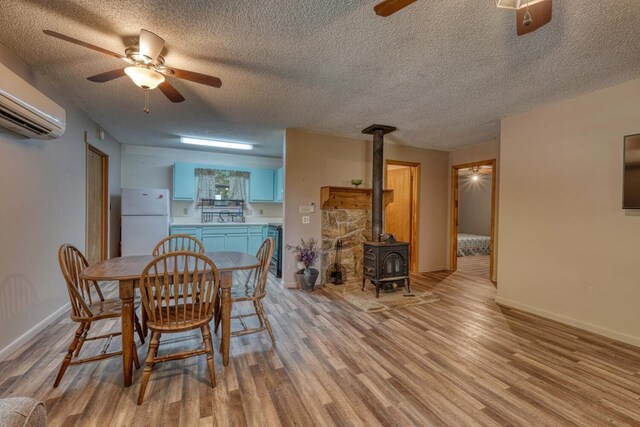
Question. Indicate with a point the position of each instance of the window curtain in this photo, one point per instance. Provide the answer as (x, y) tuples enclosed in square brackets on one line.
[(239, 186), (205, 184)]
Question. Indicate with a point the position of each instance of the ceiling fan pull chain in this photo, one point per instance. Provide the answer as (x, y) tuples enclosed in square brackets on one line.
[(146, 101)]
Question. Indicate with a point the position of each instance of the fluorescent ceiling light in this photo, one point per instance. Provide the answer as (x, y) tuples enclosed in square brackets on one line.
[(214, 143)]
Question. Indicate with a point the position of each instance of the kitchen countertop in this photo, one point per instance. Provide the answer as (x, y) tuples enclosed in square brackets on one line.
[(249, 221)]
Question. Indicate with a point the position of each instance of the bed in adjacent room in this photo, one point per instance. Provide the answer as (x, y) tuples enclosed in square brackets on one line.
[(473, 244)]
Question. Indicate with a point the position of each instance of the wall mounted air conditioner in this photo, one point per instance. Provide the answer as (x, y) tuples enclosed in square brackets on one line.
[(26, 110)]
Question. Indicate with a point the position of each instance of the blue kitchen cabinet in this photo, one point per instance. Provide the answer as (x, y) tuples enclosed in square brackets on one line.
[(184, 181), (190, 231), (278, 186), (214, 242), (236, 242), (256, 236), (261, 188)]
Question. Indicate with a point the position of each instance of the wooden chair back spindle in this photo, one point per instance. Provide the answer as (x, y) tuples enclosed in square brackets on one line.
[(196, 279), (178, 243), (264, 255), (72, 263)]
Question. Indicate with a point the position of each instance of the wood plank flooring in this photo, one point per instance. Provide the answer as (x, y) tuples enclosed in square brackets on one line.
[(477, 265), (461, 361)]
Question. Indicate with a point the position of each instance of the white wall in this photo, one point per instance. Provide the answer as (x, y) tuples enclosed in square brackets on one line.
[(152, 167), (42, 188), (314, 160), (474, 205), (568, 251)]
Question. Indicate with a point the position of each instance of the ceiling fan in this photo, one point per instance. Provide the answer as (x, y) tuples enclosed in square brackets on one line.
[(146, 66), (530, 14)]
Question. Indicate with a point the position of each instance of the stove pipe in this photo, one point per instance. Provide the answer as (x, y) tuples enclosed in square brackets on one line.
[(378, 132)]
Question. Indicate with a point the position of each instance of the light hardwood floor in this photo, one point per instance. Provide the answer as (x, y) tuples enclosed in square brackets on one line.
[(478, 265), (461, 361)]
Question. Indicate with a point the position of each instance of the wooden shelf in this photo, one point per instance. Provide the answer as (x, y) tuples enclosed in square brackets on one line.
[(351, 198)]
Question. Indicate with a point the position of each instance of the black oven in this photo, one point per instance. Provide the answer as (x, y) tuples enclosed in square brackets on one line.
[(275, 232)]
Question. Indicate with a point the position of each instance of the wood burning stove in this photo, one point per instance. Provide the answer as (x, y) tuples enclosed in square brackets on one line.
[(386, 262)]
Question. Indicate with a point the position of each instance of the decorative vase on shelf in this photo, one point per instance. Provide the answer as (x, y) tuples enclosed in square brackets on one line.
[(356, 182)]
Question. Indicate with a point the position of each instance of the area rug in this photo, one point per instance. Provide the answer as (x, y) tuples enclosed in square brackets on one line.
[(366, 300)]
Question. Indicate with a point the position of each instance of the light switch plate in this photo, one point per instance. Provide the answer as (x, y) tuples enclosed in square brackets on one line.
[(303, 209)]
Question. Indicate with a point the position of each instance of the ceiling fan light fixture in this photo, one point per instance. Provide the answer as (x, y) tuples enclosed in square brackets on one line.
[(215, 143), (144, 77)]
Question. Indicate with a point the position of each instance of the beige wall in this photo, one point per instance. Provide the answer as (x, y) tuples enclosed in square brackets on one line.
[(315, 160), (42, 188), (474, 205), (568, 251), (486, 151), (152, 167)]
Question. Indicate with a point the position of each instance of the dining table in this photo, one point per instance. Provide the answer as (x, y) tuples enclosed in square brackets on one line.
[(127, 270)]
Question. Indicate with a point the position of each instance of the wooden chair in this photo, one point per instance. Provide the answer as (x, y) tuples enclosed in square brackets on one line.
[(178, 242), (88, 305), (174, 243), (198, 280), (254, 290)]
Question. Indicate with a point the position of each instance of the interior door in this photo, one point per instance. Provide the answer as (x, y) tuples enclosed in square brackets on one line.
[(398, 213), (97, 205)]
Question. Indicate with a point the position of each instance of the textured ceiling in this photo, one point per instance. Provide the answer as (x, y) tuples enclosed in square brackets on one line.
[(443, 71)]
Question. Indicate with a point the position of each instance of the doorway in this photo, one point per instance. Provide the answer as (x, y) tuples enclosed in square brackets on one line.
[(473, 196), (402, 216), (97, 209)]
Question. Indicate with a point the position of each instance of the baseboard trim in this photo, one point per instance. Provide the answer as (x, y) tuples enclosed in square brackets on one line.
[(8, 351), (609, 333)]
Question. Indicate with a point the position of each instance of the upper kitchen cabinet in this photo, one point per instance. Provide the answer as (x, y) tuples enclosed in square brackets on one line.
[(184, 181), (278, 186), (261, 185)]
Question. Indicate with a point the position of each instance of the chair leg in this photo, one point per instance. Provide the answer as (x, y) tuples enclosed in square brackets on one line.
[(217, 314), (136, 361), (263, 316), (69, 356), (83, 338), (154, 343), (257, 309), (145, 330), (139, 329), (208, 345)]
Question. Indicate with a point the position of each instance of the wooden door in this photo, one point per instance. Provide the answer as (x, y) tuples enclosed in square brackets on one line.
[(398, 213), (97, 205)]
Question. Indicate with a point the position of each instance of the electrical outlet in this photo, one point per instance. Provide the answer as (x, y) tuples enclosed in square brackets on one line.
[(305, 220)]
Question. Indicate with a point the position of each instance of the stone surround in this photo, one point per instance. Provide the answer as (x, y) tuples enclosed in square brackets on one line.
[(353, 226)]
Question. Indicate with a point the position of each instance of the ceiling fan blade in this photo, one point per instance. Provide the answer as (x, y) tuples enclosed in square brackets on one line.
[(150, 44), (540, 15), (170, 92), (196, 77), (83, 44), (389, 7), (108, 76)]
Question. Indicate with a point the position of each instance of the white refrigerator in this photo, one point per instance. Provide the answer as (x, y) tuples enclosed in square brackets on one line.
[(145, 219)]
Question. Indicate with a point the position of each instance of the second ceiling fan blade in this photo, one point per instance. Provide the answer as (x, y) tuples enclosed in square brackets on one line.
[(192, 76), (150, 44), (389, 7), (170, 92), (108, 76), (539, 13), (83, 44)]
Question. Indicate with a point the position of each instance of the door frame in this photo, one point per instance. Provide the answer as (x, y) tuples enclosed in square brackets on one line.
[(455, 169), (415, 208), (104, 200)]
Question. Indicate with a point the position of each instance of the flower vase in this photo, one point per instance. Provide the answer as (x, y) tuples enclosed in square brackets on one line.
[(307, 278)]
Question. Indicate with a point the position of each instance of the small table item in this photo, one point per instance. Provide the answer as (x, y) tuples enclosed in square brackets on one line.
[(127, 270)]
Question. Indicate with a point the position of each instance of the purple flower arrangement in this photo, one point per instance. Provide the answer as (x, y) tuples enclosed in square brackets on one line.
[(306, 253)]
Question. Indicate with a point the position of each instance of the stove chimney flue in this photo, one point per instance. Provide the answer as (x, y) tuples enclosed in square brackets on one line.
[(378, 132)]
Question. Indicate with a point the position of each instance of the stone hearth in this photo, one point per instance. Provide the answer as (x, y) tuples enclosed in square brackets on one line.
[(353, 226)]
